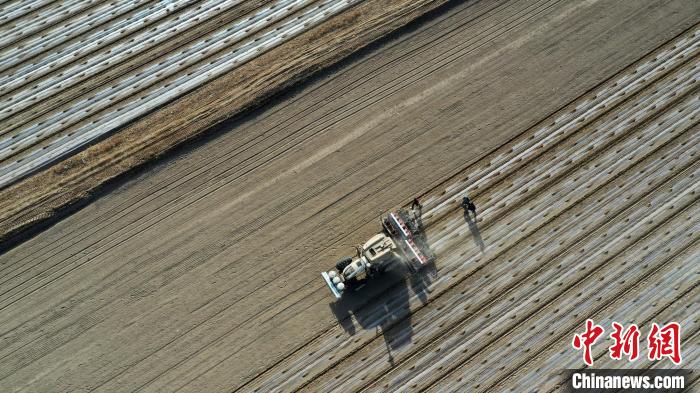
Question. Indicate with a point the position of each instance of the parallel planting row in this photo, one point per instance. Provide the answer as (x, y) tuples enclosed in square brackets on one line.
[(75, 72), (602, 198)]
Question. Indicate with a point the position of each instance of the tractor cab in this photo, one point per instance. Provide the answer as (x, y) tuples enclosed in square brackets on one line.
[(378, 248)]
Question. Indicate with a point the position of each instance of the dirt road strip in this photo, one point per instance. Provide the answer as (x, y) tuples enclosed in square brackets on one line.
[(192, 276), (75, 179)]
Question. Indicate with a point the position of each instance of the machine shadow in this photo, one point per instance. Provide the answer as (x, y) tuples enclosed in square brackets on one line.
[(381, 304), (384, 304), (421, 280)]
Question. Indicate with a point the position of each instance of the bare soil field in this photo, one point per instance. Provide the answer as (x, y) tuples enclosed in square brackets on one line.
[(573, 126), (62, 187)]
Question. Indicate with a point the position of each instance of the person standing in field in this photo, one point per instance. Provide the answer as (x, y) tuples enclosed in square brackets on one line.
[(416, 204), (468, 205)]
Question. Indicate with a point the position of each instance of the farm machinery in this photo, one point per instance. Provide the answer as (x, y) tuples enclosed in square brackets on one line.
[(401, 240)]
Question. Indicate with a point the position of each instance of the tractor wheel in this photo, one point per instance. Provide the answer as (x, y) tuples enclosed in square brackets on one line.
[(343, 263)]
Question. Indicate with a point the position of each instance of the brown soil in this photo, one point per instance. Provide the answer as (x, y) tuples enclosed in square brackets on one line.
[(52, 191), (202, 272)]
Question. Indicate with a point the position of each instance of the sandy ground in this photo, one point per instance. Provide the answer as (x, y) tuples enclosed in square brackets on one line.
[(70, 183), (202, 273)]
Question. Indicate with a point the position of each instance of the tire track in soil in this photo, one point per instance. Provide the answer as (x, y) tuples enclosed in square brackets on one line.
[(281, 214), (450, 302), (447, 231), (178, 179)]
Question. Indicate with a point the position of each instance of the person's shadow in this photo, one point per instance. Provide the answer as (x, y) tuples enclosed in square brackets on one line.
[(474, 229)]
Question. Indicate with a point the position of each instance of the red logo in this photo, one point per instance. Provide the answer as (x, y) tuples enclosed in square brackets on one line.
[(662, 342), (627, 343), (665, 342), (586, 340)]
